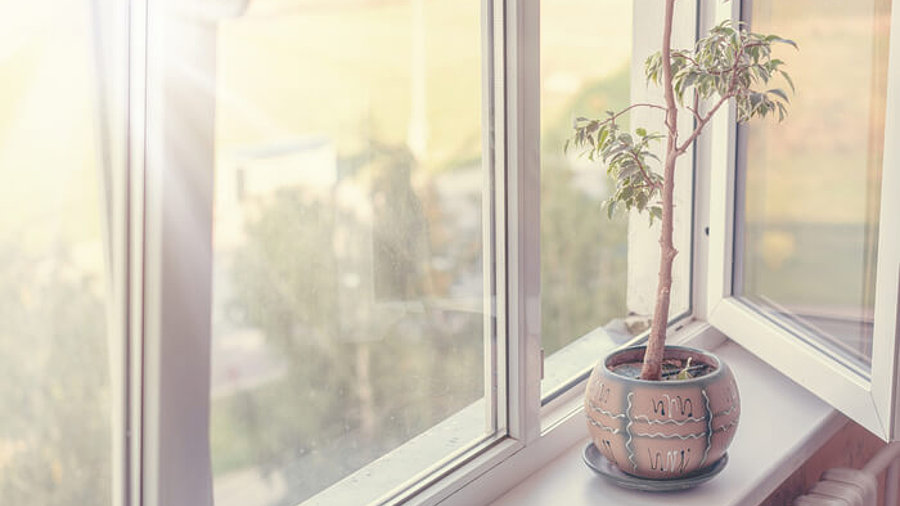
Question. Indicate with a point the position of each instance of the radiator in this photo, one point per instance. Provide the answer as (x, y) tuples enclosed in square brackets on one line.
[(858, 487)]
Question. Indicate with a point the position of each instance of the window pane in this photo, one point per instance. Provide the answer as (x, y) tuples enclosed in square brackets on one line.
[(597, 276), (349, 280), (56, 423), (809, 229)]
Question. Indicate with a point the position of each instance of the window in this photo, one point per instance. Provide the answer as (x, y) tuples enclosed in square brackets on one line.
[(810, 203), (295, 250), (343, 315), (351, 273), (62, 353), (574, 249), (813, 246), (598, 275)]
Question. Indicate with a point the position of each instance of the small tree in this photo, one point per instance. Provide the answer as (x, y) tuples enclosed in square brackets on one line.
[(730, 62)]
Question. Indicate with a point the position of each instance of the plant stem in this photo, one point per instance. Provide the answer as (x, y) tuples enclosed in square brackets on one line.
[(656, 345)]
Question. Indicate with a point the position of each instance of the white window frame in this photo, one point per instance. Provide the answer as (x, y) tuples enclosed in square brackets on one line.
[(173, 71), (177, 255), (873, 402)]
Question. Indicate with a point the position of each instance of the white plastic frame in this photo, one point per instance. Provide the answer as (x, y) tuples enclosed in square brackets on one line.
[(873, 402), (173, 75)]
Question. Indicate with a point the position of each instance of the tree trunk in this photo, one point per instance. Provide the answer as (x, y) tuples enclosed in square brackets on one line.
[(652, 367)]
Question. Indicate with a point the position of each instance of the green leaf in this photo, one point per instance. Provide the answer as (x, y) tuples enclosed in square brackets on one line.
[(641, 200), (604, 134), (779, 93), (788, 42), (787, 78)]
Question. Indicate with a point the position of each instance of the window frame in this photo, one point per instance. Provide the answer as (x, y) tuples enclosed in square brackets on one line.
[(135, 17), (172, 215), (176, 253), (872, 402)]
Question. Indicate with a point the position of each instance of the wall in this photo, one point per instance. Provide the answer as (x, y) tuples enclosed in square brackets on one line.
[(851, 447)]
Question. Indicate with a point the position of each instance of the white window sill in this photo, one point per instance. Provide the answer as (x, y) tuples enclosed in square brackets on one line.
[(781, 426)]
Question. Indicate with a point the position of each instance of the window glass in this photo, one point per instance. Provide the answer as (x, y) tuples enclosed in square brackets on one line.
[(349, 251), (808, 212), (598, 275), (56, 423)]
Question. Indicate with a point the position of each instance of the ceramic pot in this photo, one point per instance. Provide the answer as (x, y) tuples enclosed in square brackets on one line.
[(662, 429)]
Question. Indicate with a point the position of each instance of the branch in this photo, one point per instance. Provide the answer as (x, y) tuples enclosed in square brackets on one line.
[(630, 107), (737, 63), (686, 57), (698, 66), (650, 183), (671, 108), (701, 123), (695, 110), (703, 120)]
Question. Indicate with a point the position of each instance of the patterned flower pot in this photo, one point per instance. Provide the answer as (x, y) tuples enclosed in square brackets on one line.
[(662, 429)]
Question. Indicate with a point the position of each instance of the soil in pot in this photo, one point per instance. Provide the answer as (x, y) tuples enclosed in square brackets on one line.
[(673, 369)]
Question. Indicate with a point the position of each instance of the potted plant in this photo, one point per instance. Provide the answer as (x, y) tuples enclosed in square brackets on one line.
[(654, 411)]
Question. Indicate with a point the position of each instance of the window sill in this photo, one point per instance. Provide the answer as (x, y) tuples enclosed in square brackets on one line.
[(766, 450)]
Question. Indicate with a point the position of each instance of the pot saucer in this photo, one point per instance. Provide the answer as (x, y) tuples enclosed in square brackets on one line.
[(596, 461)]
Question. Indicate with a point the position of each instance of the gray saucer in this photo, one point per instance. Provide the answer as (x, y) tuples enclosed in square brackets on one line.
[(596, 461)]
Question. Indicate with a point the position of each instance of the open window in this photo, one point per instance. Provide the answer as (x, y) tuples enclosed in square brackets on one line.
[(804, 214)]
